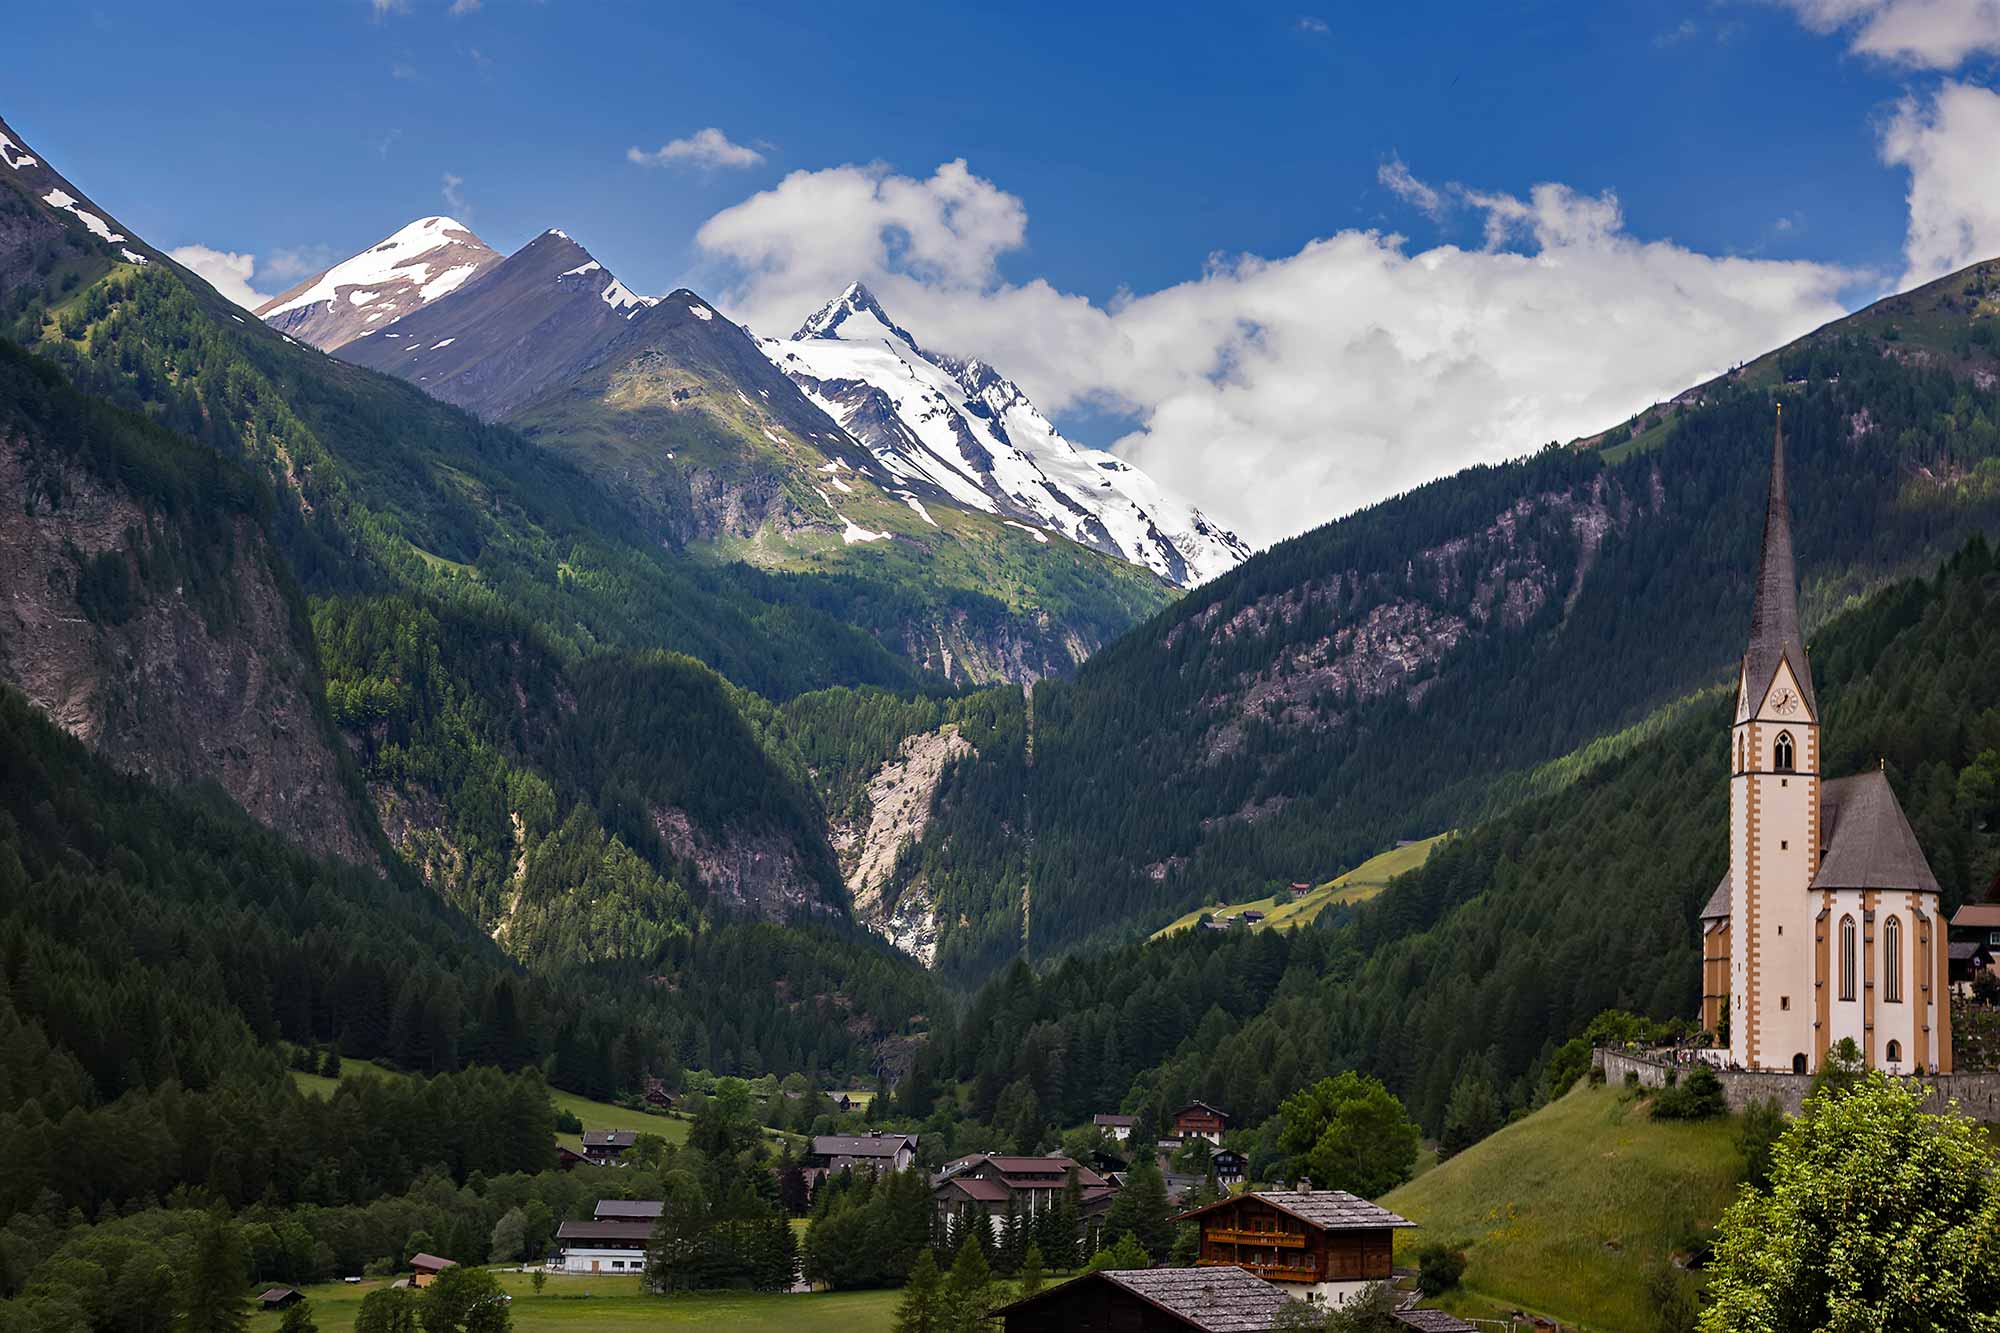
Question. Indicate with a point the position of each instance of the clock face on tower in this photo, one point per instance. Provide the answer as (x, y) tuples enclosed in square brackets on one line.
[(1785, 702)]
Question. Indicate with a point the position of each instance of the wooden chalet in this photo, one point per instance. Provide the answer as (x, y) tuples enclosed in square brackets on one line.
[(568, 1158), (424, 1268), (1118, 1127), (1201, 1119), (278, 1298), (1150, 1300), (607, 1145), (1327, 1244), (1228, 1164), (656, 1094)]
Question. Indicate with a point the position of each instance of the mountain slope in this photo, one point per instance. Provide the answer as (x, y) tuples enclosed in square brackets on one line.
[(676, 413), (941, 424), (400, 273), (1396, 673)]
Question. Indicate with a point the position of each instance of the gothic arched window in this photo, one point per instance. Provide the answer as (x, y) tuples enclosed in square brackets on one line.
[(1892, 961), (1847, 958), (1895, 1053), (1783, 762)]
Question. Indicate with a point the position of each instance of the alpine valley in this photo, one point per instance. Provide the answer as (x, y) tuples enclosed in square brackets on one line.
[(476, 668)]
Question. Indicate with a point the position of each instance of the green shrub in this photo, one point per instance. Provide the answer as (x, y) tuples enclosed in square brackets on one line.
[(1439, 1268), (1697, 1097)]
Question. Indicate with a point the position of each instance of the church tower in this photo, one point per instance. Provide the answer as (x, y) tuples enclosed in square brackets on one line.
[(1773, 813), (1827, 927)]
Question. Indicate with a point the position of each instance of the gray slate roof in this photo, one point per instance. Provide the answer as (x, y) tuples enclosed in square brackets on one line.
[(1774, 620), (617, 1231), (627, 1210), (1869, 842), (1218, 1300), (1330, 1210), (1435, 1321), (1718, 902), (859, 1145)]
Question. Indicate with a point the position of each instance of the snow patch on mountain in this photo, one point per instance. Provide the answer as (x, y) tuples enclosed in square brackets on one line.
[(68, 204), (960, 427)]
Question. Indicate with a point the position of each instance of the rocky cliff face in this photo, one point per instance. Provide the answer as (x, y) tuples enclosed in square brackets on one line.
[(98, 628), (900, 796), (759, 874)]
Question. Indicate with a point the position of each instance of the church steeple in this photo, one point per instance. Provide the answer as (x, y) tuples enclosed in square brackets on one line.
[(1774, 622)]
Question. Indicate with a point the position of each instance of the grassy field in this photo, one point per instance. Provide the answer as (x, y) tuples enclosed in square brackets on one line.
[(1284, 912), (1572, 1210), (594, 1115), (586, 1304)]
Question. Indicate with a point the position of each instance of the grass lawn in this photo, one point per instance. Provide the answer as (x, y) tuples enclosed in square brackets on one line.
[(584, 1304), (1284, 912), (1571, 1211), (323, 1087)]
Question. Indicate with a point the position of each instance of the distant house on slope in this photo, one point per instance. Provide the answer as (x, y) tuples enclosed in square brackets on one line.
[(629, 1210), (424, 1268), (1324, 1245), (1117, 1126), (278, 1298), (874, 1152), (604, 1146), (617, 1246), (986, 1184), (1200, 1120)]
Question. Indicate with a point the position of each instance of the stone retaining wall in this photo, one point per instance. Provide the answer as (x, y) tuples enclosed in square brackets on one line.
[(1977, 1095)]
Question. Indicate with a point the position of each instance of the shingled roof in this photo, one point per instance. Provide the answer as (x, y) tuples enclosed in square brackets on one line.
[(1869, 842), (1213, 1300), (1435, 1321), (1718, 902), (1774, 620), (1329, 1210)]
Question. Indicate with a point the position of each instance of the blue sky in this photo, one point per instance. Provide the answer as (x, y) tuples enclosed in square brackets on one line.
[(1113, 149)]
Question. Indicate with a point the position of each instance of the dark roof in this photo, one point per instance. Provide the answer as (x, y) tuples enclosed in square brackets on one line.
[(859, 1145), (431, 1263), (1329, 1210), (1126, 1120), (1977, 916), (1965, 953), (610, 1138), (1213, 1300), (1869, 842), (1718, 902), (278, 1295), (1774, 620), (639, 1231), (1202, 1106), (978, 1187), (613, 1210), (1435, 1321)]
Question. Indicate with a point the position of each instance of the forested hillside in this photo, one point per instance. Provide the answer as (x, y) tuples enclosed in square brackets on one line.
[(1517, 932), (1388, 676)]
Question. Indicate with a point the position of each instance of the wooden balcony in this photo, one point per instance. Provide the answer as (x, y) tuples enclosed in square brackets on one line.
[(1273, 1272), (1292, 1240)]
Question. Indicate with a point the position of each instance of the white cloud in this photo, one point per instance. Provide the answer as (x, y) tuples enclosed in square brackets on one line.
[(704, 148), (454, 193), (1279, 393), (382, 8), (1935, 34), (288, 265), (1316, 26), (1397, 177), (459, 7), (1950, 142), (228, 272)]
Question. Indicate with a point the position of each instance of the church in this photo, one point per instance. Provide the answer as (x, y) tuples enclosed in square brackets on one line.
[(1826, 924)]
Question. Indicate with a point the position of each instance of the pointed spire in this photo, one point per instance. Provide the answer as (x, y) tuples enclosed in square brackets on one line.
[(1774, 622)]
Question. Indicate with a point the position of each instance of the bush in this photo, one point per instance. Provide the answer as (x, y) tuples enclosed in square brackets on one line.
[(1763, 1126), (1697, 1097), (567, 1122), (1439, 1268)]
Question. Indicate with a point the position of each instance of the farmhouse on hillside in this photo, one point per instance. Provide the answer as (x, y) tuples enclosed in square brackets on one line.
[(424, 1268), (874, 1152), (1200, 1120), (606, 1145), (1324, 1245), (985, 1184), (1826, 925), (1118, 1127)]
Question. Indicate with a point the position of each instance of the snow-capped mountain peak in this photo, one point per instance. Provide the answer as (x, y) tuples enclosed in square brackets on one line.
[(429, 258), (960, 429)]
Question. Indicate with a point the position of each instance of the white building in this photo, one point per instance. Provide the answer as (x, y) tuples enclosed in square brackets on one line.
[(1826, 925), (603, 1247)]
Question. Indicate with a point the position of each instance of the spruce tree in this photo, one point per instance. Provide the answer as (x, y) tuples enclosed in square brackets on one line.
[(1032, 1276), (967, 1292), (920, 1309), (212, 1295)]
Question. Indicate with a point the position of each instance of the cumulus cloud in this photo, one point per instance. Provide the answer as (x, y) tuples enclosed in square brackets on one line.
[(226, 271), (1934, 34), (1279, 393), (704, 148), (1950, 142)]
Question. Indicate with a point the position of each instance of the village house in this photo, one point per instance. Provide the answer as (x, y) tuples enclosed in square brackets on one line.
[(1826, 926), (424, 1268), (568, 1158), (985, 1185), (1118, 1127), (615, 1246), (874, 1152), (1174, 1300), (604, 1146), (1200, 1120), (1322, 1245), (1228, 1165), (657, 1096), (1974, 944)]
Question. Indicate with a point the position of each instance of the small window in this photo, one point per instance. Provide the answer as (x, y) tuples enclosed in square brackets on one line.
[(1783, 752), (1784, 844), (1784, 1002), (1847, 958), (1895, 1053), (1799, 1063), (1892, 960)]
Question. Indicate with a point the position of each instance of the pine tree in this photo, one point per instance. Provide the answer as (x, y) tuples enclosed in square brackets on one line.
[(920, 1310), (1032, 1276), (1142, 1209), (298, 1319), (212, 1296), (967, 1293)]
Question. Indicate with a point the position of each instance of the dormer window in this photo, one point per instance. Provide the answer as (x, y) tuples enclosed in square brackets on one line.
[(1782, 760)]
